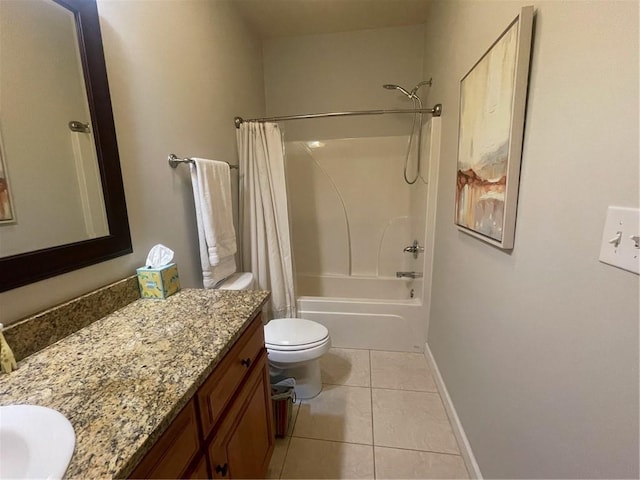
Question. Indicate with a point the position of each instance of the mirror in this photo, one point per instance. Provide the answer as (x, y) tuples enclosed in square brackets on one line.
[(62, 203)]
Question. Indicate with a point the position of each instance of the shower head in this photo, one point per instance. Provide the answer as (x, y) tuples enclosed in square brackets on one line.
[(413, 93), (390, 86)]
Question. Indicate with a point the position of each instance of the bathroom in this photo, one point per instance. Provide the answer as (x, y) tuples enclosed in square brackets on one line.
[(538, 347)]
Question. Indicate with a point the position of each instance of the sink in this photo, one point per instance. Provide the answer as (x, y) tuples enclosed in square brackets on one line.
[(35, 442)]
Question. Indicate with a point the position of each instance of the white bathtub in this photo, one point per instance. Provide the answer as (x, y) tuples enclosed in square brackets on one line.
[(365, 312)]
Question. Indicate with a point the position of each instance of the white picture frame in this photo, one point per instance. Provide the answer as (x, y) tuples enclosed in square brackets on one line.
[(493, 97)]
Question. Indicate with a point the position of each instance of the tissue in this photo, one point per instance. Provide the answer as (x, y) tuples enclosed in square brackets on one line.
[(159, 277), (159, 256)]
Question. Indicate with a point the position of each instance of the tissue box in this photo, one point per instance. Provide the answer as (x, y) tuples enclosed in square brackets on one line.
[(158, 282)]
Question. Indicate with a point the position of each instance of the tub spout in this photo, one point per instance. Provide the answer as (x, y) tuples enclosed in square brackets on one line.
[(409, 274)]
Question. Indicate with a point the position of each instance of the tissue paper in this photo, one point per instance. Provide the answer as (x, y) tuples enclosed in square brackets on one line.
[(159, 256), (159, 278)]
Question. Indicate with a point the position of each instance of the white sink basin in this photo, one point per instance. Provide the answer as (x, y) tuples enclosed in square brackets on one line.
[(35, 442)]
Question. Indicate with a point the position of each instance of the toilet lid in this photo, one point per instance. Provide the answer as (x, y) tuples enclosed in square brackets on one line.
[(281, 333)]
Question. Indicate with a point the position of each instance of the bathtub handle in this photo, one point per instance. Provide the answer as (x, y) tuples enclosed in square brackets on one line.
[(414, 248)]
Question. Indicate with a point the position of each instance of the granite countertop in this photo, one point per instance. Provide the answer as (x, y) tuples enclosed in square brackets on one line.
[(124, 378)]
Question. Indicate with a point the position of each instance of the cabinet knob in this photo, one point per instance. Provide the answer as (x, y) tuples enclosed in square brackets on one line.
[(246, 362), (222, 470)]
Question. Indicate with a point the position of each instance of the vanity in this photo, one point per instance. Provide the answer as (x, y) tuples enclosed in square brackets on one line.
[(175, 388)]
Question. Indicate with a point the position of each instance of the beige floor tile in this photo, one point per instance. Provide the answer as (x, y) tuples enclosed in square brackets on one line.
[(339, 413), (321, 459), (277, 459), (414, 420), (401, 371), (342, 366), (394, 463)]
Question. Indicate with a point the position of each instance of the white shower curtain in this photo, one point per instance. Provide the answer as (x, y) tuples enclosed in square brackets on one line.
[(264, 215)]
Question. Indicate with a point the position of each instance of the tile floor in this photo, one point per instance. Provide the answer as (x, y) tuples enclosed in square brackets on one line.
[(379, 415)]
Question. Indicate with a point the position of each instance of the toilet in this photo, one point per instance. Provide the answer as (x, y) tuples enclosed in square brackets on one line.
[(294, 345)]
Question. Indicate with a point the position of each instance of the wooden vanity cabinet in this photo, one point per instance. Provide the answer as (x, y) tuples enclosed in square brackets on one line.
[(243, 443), (226, 429)]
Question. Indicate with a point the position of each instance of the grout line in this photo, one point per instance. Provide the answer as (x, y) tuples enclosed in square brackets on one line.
[(396, 351), (349, 348), (334, 441), (420, 451), (373, 434), (407, 390), (288, 437), (286, 453), (343, 385), (437, 452)]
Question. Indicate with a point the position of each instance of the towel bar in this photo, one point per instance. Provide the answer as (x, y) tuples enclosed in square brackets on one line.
[(174, 160)]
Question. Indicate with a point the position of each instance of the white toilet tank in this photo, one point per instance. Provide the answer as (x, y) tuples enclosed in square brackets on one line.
[(237, 281)]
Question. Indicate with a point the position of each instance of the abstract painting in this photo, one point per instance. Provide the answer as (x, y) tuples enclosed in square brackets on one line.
[(492, 106)]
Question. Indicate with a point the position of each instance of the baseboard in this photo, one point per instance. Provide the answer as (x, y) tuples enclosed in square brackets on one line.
[(458, 431)]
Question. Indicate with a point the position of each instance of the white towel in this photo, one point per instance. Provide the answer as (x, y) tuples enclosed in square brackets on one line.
[(211, 183)]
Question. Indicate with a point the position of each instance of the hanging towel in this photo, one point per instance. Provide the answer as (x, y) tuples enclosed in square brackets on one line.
[(211, 183)]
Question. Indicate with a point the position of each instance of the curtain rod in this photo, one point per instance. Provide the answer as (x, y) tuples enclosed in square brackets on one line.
[(436, 111)]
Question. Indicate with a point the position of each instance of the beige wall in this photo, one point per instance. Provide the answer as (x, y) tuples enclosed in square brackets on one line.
[(343, 71), (539, 347), (179, 72)]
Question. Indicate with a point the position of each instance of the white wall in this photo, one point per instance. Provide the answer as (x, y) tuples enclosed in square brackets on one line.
[(179, 72), (539, 347)]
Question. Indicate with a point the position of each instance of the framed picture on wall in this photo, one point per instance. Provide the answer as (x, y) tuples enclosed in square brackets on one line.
[(493, 97), (7, 214)]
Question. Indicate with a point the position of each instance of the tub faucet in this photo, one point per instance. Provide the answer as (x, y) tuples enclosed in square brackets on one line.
[(409, 274)]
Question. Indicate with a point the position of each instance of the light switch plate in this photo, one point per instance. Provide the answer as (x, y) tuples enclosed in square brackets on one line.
[(618, 248)]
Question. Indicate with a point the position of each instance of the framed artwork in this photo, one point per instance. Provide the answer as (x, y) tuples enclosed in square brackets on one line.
[(7, 214), (493, 97)]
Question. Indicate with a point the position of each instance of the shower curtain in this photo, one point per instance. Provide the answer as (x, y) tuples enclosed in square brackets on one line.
[(264, 215)]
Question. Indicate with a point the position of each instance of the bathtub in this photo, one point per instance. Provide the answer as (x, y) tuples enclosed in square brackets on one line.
[(365, 312)]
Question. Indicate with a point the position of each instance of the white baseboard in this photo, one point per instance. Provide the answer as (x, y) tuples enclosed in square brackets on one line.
[(458, 431)]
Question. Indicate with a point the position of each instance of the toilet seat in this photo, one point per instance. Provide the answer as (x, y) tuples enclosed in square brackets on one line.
[(295, 348), (289, 358), (294, 340)]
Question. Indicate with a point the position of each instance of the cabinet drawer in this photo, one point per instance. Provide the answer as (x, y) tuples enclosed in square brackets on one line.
[(214, 395), (173, 452)]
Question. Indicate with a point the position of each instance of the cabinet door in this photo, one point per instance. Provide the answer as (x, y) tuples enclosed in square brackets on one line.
[(243, 446), (174, 451)]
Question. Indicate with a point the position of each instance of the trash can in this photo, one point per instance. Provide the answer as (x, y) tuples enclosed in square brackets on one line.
[(283, 396)]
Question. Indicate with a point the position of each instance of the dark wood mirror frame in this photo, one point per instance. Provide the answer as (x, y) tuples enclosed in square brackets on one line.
[(30, 267)]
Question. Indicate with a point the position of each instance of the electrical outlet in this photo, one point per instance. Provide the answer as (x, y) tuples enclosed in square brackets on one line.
[(620, 239)]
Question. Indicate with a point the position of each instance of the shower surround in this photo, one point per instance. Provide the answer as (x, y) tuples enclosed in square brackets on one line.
[(352, 215), (349, 206)]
